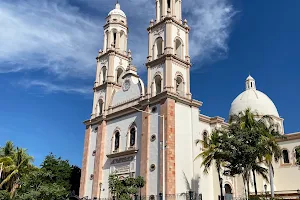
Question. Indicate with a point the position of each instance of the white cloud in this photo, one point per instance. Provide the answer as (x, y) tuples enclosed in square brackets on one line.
[(63, 39), (211, 26), (47, 34), (54, 88)]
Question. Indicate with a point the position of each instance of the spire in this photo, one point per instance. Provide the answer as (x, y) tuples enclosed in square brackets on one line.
[(118, 5), (250, 83)]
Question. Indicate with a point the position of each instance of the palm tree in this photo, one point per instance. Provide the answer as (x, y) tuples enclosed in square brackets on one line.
[(140, 183), (18, 165), (263, 134), (7, 150), (213, 153), (270, 148), (253, 128)]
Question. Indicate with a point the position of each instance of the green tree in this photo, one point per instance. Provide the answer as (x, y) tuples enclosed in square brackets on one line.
[(40, 184), (75, 179), (19, 164), (253, 141), (59, 168), (297, 155), (140, 183), (4, 195), (124, 189)]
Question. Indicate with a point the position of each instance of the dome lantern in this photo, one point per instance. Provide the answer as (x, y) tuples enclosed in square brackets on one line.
[(250, 83), (117, 11)]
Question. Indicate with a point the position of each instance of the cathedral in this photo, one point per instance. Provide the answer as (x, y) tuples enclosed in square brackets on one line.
[(149, 129)]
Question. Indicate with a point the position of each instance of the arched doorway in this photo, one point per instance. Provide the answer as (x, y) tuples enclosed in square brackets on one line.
[(228, 192)]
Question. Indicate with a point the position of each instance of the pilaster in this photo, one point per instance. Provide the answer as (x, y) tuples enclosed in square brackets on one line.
[(85, 161), (110, 74), (168, 110), (145, 138), (99, 159)]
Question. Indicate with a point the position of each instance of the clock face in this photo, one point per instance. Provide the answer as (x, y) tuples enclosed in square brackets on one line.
[(126, 85)]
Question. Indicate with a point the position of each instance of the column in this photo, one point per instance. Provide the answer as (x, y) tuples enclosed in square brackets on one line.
[(108, 40), (168, 73), (118, 40), (169, 44), (164, 8), (105, 42), (173, 8), (187, 53), (150, 45), (180, 11), (157, 11)]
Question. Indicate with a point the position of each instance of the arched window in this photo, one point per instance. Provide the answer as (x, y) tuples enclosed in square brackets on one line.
[(160, 10), (169, 3), (158, 48), (132, 137), (178, 48), (228, 189), (179, 85), (104, 70), (100, 107), (177, 6), (158, 84), (205, 139), (107, 35), (114, 38), (119, 75), (117, 141), (285, 155)]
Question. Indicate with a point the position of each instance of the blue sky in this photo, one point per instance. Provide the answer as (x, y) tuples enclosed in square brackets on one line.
[(48, 50)]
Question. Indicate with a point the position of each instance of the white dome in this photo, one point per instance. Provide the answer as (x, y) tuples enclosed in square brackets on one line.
[(117, 11), (253, 99)]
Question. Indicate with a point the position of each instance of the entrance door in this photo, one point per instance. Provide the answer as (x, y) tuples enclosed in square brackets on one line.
[(228, 192)]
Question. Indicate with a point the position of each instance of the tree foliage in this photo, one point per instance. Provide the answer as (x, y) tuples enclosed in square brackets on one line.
[(126, 188), (298, 155), (21, 180), (248, 145)]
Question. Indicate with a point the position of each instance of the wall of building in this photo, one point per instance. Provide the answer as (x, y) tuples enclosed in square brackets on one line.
[(154, 156), (122, 124), (206, 180), (183, 147)]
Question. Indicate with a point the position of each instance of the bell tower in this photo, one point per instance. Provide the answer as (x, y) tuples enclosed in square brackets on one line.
[(111, 61), (168, 60)]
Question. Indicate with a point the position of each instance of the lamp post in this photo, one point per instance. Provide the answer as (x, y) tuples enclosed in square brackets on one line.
[(164, 148), (265, 186)]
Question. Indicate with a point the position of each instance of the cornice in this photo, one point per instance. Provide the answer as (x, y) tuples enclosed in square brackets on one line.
[(140, 103), (122, 153), (115, 22), (104, 85), (112, 52), (168, 20), (165, 57), (290, 137), (212, 120)]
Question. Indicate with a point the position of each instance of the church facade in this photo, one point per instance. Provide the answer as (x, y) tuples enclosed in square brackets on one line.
[(150, 129)]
